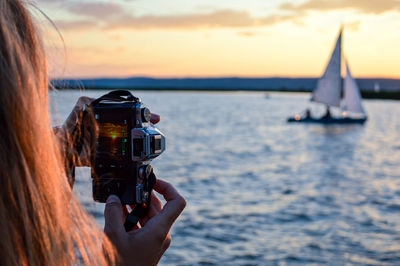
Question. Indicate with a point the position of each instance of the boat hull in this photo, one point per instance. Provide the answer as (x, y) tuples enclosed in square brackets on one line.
[(331, 120)]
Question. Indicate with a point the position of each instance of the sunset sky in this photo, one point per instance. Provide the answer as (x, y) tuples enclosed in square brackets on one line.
[(209, 38)]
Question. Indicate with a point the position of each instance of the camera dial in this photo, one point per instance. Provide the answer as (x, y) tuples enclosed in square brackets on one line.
[(146, 114)]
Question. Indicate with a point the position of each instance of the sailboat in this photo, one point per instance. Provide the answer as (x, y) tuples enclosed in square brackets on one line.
[(329, 92)]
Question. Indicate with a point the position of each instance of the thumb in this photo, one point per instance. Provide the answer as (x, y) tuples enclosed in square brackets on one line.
[(113, 216)]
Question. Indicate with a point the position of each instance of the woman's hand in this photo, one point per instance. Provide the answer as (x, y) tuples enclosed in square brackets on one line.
[(68, 136), (73, 130), (146, 244), (76, 113)]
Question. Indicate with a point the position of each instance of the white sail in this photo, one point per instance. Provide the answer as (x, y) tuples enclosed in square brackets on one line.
[(352, 96), (329, 85)]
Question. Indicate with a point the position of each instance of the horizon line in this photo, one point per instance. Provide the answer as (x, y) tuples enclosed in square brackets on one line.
[(212, 77)]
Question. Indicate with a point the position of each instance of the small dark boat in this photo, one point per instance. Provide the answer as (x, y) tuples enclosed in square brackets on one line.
[(324, 120)]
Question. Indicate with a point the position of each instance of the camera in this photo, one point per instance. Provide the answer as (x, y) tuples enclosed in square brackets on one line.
[(125, 145)]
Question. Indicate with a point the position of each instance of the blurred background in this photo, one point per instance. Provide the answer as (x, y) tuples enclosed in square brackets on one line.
[(203, 38), (225, 76)]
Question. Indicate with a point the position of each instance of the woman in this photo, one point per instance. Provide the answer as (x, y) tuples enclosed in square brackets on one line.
[(41, 222)]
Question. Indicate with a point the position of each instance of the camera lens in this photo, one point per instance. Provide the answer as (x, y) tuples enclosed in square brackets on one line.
[(146, 114)]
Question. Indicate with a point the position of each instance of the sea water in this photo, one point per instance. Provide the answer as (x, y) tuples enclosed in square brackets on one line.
[(261, 191)]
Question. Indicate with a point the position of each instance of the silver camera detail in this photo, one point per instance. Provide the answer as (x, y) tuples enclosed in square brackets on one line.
[(147, 143)]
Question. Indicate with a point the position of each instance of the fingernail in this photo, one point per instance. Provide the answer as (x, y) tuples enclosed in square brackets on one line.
[(113, 199)]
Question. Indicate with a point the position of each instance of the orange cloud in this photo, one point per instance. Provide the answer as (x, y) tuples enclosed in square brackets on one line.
[(80, 24), (353, 26), (97, 10), (216, 19), (365, 6), (113, 16), (247, 33)]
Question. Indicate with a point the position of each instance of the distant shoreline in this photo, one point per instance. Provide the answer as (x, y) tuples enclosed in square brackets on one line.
[(371, 88), (384, 95)]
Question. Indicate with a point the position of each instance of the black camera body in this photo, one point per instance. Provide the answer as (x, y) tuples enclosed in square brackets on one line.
[(126, 144)]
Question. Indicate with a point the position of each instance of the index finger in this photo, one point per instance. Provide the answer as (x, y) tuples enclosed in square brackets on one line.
[(84, 100), (163, 221), (155, 118), (72, 119)]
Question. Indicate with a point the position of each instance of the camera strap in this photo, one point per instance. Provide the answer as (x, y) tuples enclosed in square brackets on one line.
[(116, 96)]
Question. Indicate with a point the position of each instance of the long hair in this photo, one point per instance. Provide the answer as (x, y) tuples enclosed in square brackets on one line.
[(41, 221)]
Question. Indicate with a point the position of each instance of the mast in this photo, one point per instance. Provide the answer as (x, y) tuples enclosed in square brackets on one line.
[(328, 88)]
